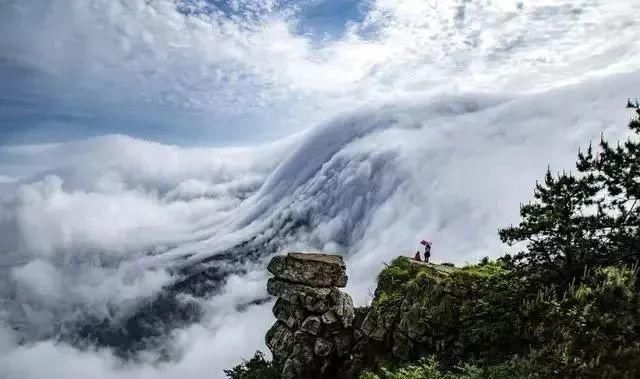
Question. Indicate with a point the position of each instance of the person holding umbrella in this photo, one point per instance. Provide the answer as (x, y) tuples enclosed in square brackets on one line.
[(427, 249)]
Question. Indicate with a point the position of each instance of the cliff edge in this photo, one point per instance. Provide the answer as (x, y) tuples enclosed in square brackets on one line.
[(418, 309)]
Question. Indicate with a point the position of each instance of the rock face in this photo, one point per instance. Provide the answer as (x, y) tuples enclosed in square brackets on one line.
[(314, 334), (316, 270), (310, 298), (319, 334), (419, 309), (417, 323)]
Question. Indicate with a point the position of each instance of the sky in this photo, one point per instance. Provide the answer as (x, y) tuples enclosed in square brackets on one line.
[(177, 71), (239, 72), (139, 136)]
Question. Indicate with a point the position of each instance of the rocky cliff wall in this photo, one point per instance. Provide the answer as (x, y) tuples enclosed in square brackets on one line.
[(419, 309)]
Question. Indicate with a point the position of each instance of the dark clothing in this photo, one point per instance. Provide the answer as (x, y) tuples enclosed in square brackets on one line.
[(417, 256), (427, 252)]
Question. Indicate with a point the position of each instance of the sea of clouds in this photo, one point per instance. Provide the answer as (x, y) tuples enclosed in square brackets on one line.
[(420, 119)]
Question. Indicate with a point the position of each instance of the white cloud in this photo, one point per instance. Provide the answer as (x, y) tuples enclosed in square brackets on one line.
[(204, 349), (147, 56), (82, 229), (368, 185)]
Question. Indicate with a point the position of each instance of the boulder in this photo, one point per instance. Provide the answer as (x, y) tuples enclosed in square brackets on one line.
[(279, 339), (329, 317), (374, 326), (290, 314), (302, 338), (311, 325), (322, 347), (342, 306), (297, 364), (343, 343), (312, 298), (316, 270)]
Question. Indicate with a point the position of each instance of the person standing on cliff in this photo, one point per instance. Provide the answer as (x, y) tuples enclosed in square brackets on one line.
[(427, 249)]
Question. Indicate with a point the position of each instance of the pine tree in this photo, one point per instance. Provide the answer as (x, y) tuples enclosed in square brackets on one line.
[(589, 219)]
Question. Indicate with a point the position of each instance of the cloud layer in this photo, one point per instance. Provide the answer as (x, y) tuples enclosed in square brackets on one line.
[(366, 185)]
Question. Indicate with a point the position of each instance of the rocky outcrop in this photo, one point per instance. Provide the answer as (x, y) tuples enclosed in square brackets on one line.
[(314, 335), (423, 309), (413, 323), (316, 270), (419, 309)]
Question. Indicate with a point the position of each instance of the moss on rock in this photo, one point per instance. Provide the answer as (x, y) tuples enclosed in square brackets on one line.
[(458, 313)]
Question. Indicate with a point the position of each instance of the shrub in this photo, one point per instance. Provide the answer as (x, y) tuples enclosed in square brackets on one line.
[(254, 368)]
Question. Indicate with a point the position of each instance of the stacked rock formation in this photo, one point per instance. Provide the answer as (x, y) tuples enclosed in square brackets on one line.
[(314, 333)]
